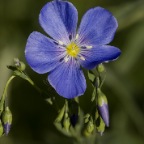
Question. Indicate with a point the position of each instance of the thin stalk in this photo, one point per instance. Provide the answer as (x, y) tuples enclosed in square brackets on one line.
[(4, 93)]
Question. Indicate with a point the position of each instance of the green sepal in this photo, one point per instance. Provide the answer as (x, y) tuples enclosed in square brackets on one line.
[(7, 116), (1, 129), (91, 76), (66, 122), (60, 115), (1, 106), (89, 128), (61, 129), (17, 72), (93, 94), (101, 68), (19, 64), (101, 127), (102, 99), (86, 118)]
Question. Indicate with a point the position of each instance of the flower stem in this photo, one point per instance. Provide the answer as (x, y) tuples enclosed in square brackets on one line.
[(4, 93), (85, 140), (33, 84), (50, 100)]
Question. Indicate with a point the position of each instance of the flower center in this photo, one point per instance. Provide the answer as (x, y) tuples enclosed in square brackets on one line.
[(73, 50)]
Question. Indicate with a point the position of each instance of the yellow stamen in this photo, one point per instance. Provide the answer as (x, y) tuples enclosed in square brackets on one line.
[(73, 50)]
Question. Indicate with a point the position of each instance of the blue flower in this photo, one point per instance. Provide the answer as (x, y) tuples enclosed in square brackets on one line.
[(69, 49)]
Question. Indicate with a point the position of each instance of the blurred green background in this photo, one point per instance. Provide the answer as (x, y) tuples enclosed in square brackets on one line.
[(124, 85)]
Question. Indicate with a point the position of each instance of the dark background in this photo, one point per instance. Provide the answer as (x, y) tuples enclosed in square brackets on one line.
[(124, 85)]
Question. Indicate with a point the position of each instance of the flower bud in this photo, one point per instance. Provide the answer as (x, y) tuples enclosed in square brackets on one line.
[(100, 68), (7, 120), (89, 128), (19, 64), (103, 107), (1, 129)]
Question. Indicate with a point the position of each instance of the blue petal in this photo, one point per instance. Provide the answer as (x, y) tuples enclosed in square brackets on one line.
[(59, 20), (99, 54), (68, 80), (41, 53), (98, 26)]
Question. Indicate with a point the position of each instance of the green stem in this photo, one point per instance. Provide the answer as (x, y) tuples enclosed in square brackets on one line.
[(50, 100), (33, 84), (85, 140), (102, 80), (4, 93), (66, 105)]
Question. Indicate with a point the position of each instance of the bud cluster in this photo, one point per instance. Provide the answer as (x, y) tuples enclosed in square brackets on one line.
[(99, 114), (71, 121), (67, 117)]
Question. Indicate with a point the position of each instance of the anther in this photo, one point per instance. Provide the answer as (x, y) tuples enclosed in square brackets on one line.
[(66, 59), (60, 42), (88, 47), (77, 36), (82, 58)]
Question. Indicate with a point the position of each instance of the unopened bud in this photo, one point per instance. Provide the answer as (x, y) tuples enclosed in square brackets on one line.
[(100, 68), (1, 129), (7, 120), (19, 64), (89, 128), (103, 107)]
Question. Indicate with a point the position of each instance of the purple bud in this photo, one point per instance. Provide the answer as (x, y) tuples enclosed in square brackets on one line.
[(7, 128), (104, 112), (103, 107), (7, 120)]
